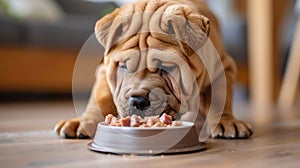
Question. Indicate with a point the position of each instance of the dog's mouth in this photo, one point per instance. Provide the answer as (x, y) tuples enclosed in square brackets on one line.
[(145, 113)]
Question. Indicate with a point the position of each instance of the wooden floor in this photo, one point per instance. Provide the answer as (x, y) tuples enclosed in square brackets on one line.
[(27, 140)]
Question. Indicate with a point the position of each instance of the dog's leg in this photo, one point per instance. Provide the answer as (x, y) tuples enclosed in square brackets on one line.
[(99, 105), (83, 126), (227, 126)]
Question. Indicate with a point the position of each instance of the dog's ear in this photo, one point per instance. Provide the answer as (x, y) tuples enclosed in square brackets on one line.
[(190, 28), (105, 26)]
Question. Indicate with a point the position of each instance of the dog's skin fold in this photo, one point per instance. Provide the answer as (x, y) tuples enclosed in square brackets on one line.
[(151, 65)]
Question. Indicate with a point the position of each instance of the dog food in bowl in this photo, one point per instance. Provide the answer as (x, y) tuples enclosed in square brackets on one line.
[(164, 120), (149, 135)]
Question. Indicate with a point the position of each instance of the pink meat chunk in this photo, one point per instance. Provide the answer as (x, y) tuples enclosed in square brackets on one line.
[(125, 122), (166, 119), (115, 122), (135, 121), (108, 119)]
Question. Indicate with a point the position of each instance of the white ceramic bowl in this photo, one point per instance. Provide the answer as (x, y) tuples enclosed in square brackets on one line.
[(149, 140)]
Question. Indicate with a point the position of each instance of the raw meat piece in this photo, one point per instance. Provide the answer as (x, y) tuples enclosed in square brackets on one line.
[(166, 119), (136, 121), (108, 119), (125, 122)]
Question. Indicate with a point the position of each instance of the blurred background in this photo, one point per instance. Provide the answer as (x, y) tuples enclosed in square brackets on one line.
[(40, 41)]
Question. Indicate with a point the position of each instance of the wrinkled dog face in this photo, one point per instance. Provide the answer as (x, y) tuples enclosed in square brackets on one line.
[(145, 82), (151, 68)]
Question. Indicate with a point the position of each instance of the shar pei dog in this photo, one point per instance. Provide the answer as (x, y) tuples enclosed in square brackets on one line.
[(162, 56)]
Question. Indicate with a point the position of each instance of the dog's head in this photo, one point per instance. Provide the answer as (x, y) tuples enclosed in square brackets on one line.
[(150, 60)]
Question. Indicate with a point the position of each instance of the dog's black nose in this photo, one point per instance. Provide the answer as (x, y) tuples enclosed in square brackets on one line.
[(139, 103)]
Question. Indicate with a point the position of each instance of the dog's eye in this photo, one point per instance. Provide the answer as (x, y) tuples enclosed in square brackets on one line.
[(168, 69), (122, 66)]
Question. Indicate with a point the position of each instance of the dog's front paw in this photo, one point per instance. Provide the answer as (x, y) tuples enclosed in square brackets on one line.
[(231, 128), (76, 128)]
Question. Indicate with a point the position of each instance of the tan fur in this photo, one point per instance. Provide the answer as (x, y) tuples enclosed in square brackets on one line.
[(123, 37)]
